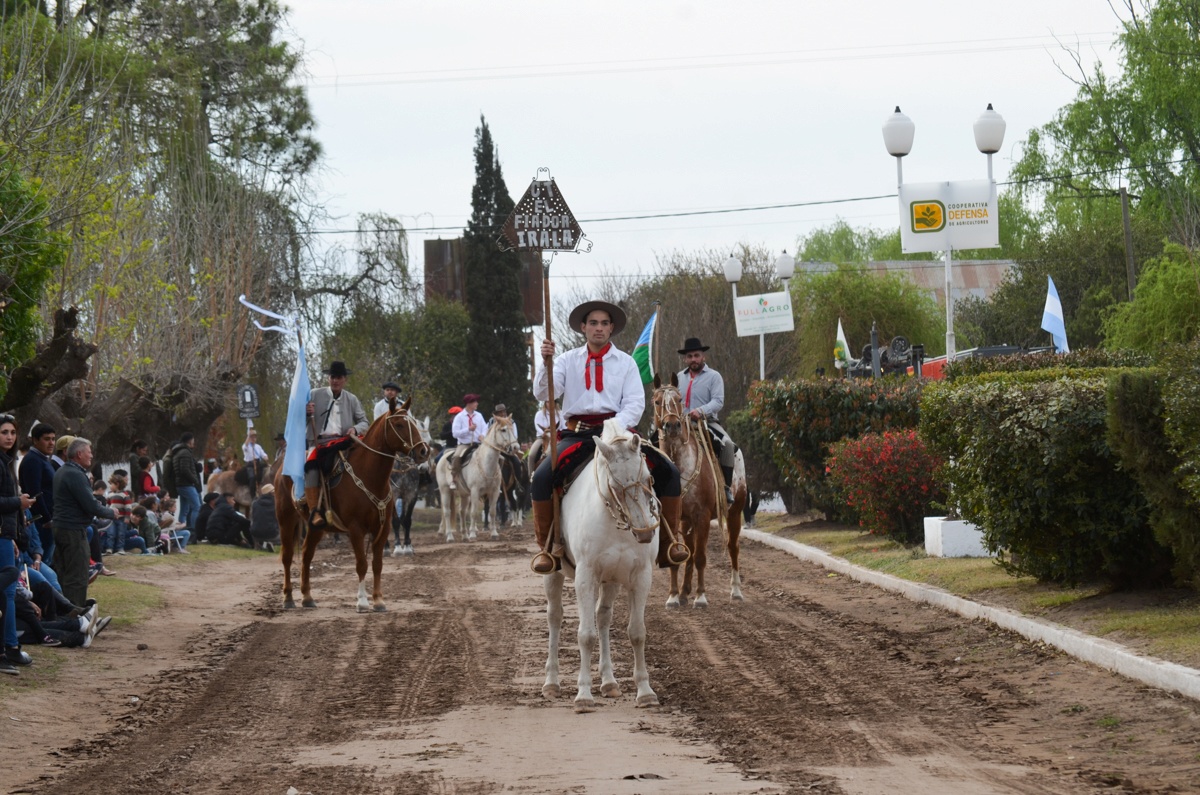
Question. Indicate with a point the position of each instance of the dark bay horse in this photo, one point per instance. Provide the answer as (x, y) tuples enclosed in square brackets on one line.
[(360, 504), (687, 444)]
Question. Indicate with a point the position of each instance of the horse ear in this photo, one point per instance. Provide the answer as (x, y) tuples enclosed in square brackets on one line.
[(675, 379), (406, 404), (604, 447), (657, 381)]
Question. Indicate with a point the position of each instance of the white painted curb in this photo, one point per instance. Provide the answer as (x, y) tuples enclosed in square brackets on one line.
[(1105, 653)]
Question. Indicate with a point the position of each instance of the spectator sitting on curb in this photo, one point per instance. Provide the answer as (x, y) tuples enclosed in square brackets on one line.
[(206, 512), (227, 526), (264, 527)]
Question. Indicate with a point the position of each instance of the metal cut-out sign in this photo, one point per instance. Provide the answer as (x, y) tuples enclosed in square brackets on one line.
[(541, 221)]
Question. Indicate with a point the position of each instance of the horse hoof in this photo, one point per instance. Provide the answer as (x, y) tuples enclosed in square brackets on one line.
[(380, 608), (362, 608), (550, 691), (309, 603), (648, 700), (673, 602), (584, 705), (395, 552), (611, 690), (289, 604), (700, 603), (495, 536), (737, 596)]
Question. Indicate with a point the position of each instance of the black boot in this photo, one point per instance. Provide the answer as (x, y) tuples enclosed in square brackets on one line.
[(728, 473)]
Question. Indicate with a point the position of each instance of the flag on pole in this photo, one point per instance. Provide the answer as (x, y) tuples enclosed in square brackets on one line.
[(841, 348), (641, 351), (1053, 321), (297, 421)]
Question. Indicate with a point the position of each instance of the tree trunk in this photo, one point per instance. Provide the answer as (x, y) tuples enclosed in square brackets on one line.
[(56, 363)]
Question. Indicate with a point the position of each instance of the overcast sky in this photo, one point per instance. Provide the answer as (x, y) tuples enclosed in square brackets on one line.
[(644, 108)]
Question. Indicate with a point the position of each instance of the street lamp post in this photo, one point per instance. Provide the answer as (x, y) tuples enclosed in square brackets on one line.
[(785, 268), (898, 132)]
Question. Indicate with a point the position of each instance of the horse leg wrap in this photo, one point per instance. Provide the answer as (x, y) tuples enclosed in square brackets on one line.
[(543, 520), (671, 549)]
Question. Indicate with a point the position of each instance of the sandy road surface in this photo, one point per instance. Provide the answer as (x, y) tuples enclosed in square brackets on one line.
[(815, 684)]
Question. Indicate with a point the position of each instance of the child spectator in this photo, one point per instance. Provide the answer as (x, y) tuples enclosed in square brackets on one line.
[(144, 480), (120, 500)]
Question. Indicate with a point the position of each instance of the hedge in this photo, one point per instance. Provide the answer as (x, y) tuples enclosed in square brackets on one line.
[(1136, 433), (1084, 358), (1031, 466), (803, 418)]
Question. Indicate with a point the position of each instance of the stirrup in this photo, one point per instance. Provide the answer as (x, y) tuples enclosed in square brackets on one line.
[(317, 519), (545, 563), (678, 553)]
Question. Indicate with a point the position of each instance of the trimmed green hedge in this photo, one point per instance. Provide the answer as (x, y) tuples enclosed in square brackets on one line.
[(803, 418), (1137, 433), (1085, 358), (1031, 466), (1181, 399), (762, 474)]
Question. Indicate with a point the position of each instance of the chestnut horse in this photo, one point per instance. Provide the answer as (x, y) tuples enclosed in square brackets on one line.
[(360, 504), (686, 442)]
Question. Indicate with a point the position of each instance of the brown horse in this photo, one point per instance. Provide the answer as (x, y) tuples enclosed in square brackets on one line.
[(360, 504), (686, 442)]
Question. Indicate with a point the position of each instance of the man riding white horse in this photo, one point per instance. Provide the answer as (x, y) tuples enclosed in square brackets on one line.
[(597, 382), (337, 417), (469, 428), (703, 391)]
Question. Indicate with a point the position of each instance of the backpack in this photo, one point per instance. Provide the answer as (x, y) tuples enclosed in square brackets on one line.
[(167, 481)]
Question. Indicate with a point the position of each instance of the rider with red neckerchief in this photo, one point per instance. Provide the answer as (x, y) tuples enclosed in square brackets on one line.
[(597, 382)]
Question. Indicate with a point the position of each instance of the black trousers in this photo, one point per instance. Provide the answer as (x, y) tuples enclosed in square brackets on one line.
[(575, 448)]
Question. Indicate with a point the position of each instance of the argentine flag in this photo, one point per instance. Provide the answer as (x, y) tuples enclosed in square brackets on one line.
[(641, 351), (1053, 321), (297, 422)]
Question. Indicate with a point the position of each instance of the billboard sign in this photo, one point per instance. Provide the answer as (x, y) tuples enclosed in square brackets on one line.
[(935, 216), (763, 314)]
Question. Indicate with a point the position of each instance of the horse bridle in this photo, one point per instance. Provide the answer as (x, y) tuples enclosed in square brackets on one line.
[(381, 505), (670, 406), (616, 500)]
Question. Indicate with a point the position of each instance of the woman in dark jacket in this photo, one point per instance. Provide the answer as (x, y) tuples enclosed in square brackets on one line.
[(12, 516)]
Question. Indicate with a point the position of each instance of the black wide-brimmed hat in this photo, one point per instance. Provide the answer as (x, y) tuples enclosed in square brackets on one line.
[(579, 314), (336, 370), (390, 385), (692, 344)]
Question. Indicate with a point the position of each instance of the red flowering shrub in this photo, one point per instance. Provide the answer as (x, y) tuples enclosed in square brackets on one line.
[(887, 480)]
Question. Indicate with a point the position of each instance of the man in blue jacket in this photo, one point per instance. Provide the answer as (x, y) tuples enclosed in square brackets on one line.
[(37, 480)]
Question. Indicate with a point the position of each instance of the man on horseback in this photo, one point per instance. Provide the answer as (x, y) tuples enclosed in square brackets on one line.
[(336, 416), (597, 382), (703, 398), (391, 392), (468, 430)]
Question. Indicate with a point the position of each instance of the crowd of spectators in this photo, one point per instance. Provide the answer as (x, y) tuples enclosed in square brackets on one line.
[(59, 517)]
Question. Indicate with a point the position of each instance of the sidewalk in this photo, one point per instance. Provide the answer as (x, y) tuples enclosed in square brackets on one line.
[(1106, 654)]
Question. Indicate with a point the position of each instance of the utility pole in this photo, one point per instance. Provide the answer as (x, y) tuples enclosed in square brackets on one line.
[(1128, 241)]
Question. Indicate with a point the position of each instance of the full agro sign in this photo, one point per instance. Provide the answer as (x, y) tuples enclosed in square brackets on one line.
[(763, 314), (935, 216), (541, 221)]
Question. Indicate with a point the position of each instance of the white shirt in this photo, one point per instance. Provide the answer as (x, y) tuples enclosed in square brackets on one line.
[(541, 421), (381, 407), (250, 452), (334, 420), (462, 430), (623, 393)]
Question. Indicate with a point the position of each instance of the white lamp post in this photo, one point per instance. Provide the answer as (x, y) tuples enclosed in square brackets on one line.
[(898, 133), (785, 268)]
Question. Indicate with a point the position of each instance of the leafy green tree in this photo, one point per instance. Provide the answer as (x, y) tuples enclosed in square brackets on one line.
[(29, 255), (1164, 307), (859, 297), (497, 348)]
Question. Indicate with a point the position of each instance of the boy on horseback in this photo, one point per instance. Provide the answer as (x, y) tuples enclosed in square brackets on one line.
[(336, 416), (597, 382), (468, 429), (703, 391)]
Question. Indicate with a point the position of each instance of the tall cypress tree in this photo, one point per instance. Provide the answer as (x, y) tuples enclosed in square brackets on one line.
[(498, 353)]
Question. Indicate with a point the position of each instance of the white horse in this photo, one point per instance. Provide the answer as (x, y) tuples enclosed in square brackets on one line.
[(479, 484), (609, 521)]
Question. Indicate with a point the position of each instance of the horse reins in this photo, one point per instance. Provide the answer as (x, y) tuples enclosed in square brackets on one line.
[(619, 497), (382, 504)]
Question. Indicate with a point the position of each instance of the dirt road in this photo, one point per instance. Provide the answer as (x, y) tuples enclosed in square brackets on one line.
[(815, 684)]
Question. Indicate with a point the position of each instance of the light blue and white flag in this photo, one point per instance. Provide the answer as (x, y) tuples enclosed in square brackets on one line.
[(294, 431), (297, 416), (1053, 321)]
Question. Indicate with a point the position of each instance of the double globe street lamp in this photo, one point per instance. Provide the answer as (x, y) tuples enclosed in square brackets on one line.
[(898, 132), (785, 268)]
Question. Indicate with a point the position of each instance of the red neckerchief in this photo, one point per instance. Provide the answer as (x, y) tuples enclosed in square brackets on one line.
[(598, 358), (687, 401)]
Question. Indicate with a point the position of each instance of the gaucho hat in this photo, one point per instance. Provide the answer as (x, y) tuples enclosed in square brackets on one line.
[(692, 344), (336, 370), (579, 314), (390, 385), (470, 397)]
